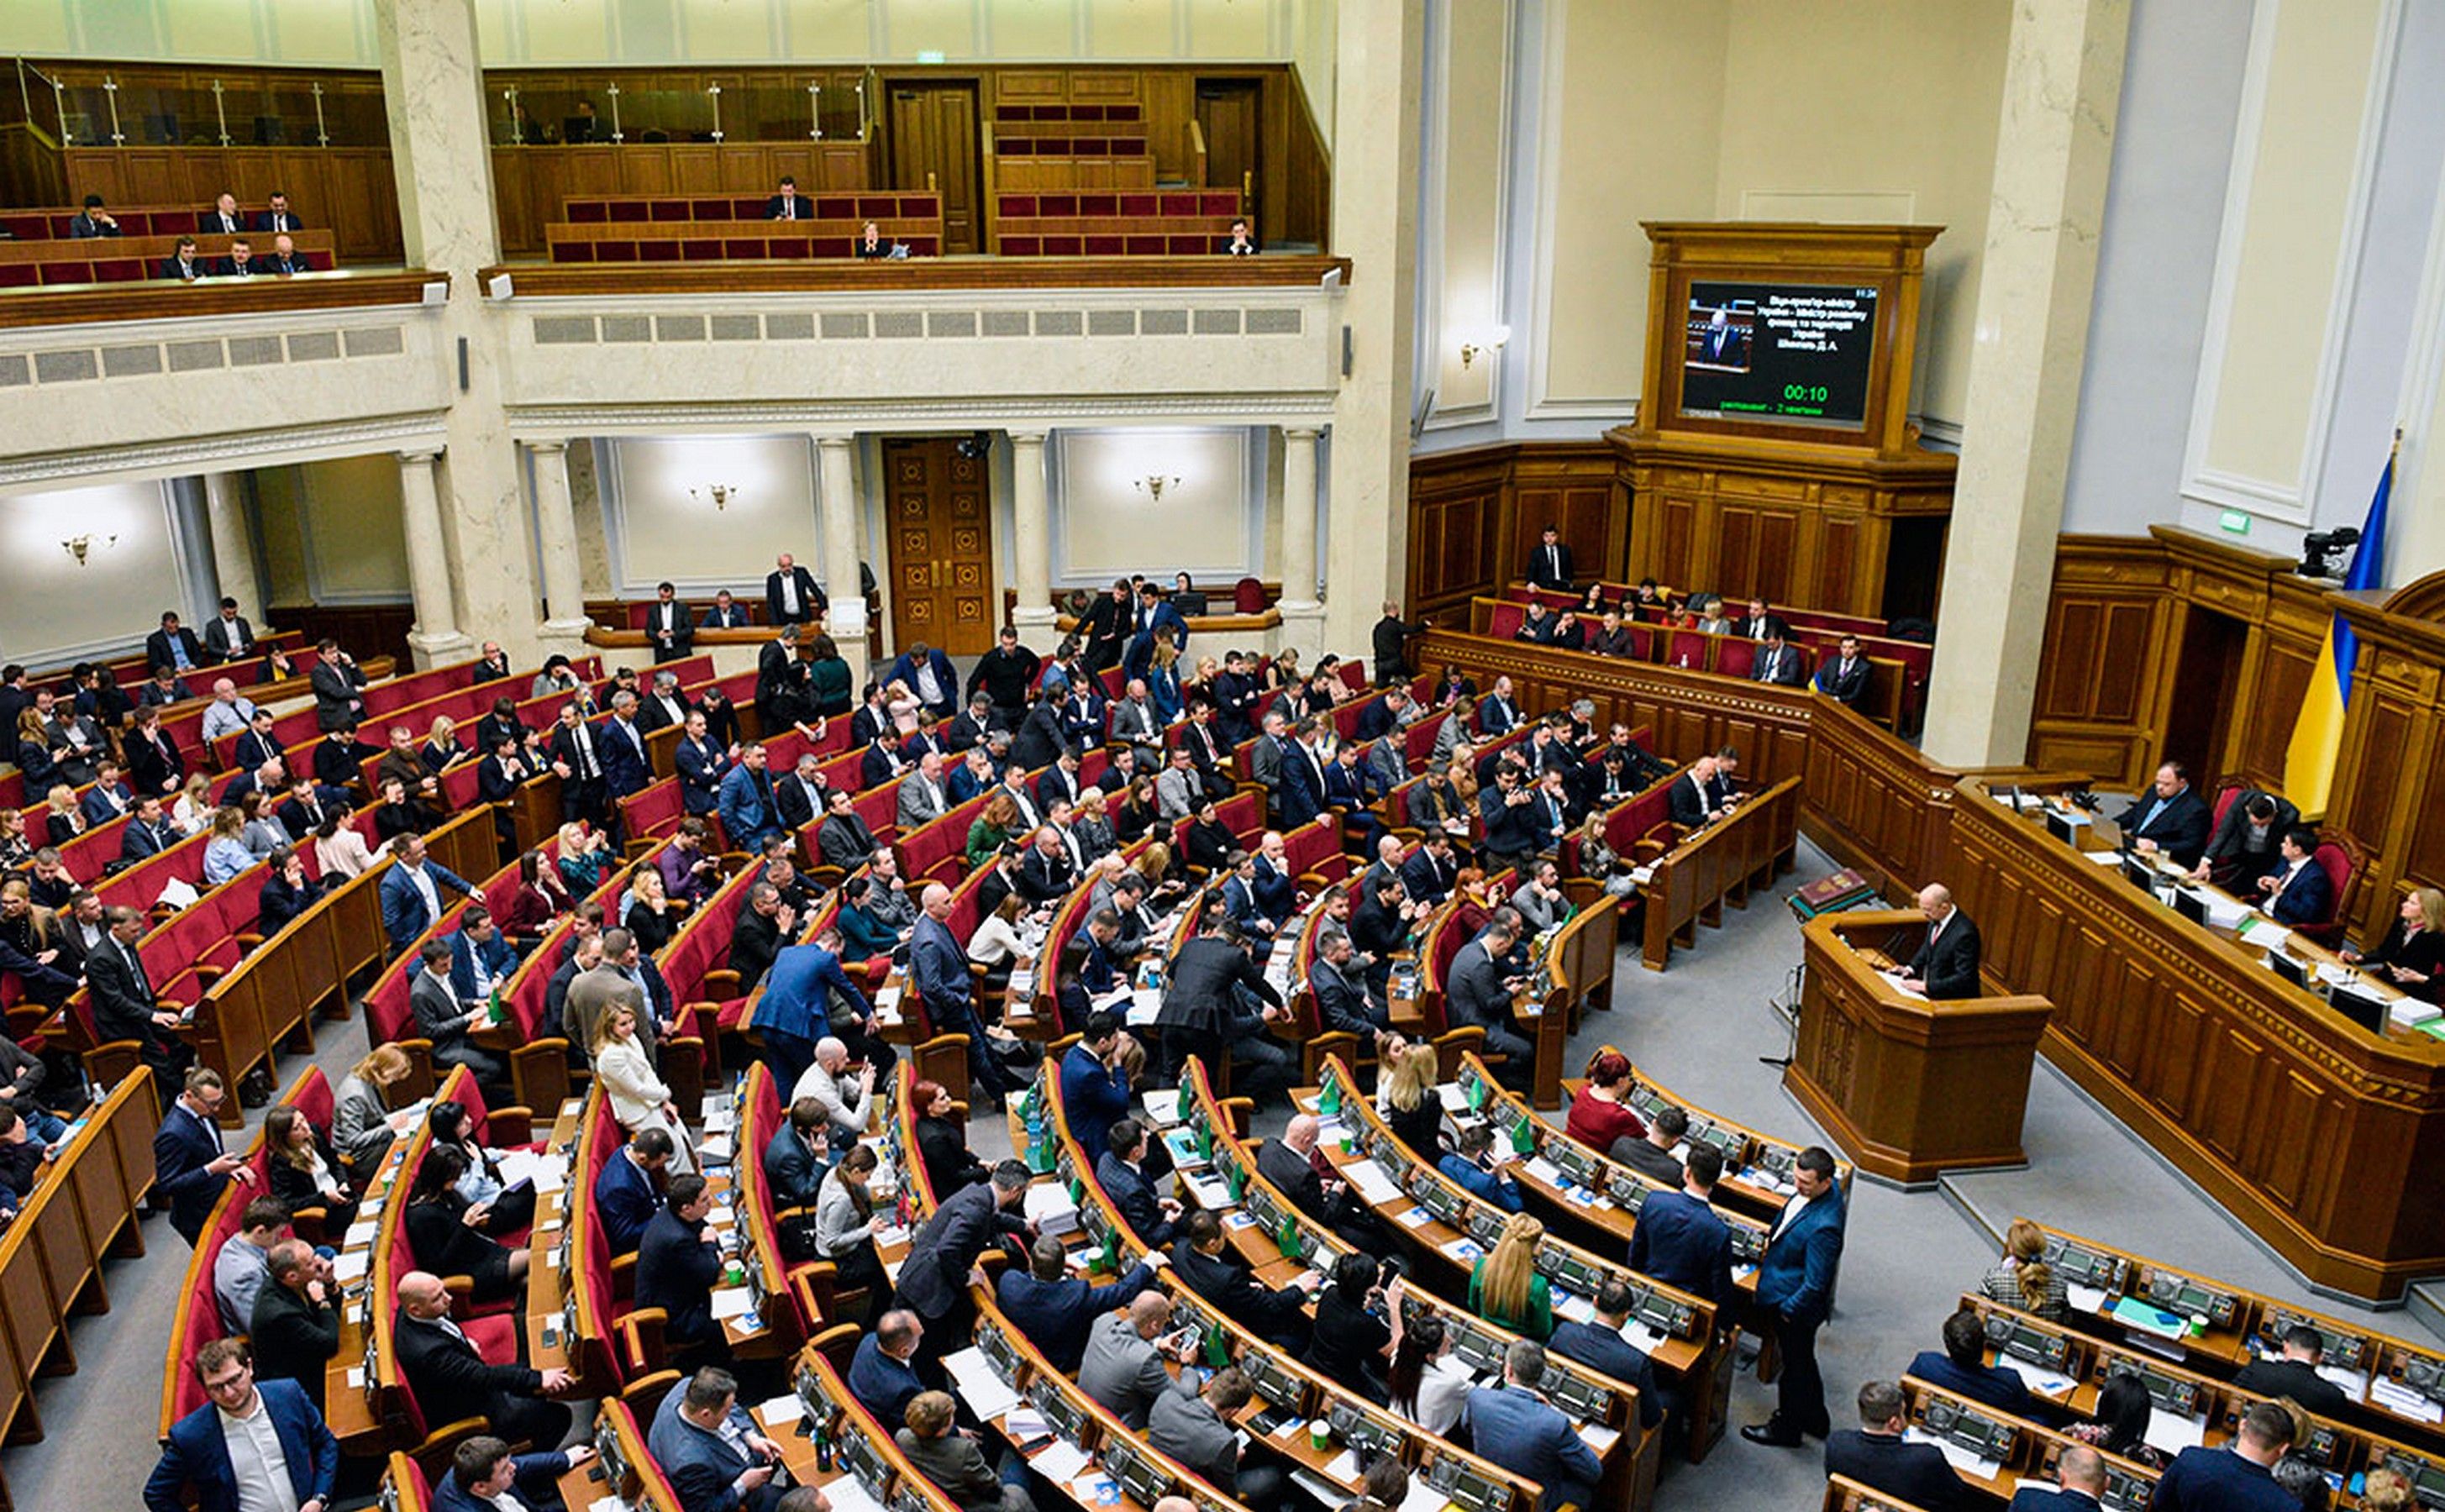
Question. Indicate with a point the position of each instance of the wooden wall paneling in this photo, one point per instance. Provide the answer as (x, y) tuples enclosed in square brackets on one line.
[(1846, 538), (695, 168), (513, 203)]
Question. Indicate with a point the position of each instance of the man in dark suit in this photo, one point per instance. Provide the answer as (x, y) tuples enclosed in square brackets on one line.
[(125, 1008), (922, 662), (882, 1374), (339, 687), (1431, 870), (702, 765), (577, 757), (482, 1471), (1692, 798), (774, 664), (174, 647), (1843, 677), (1205, 1264), (2235, 1476), (625, 767), (934, 1278), (148, 833), (190, 1166), (185, 264), (1794, 1287), (2170, 818), (2249, 840), (1946, 963), (240, 263), (2297, 892), (196, 1468), (1343, 1002), (1757, 622), (1549, 565), (93, 221), (668, 627), (788, 204), (2294, 1374), (725, 613), (448, 1378), (2079, 1474), (1601, 1346), (1876, 1455), (1477, 994), (1391, 643), (1053, 1309), (1960, 1368), (1150, 1216), (678, 1261), (295, 1328), (790, 596), (711, 1450), (307, 805), (224, 218), (1679, 1238), (259, 743), (227, 636), (1517, 1429), (279, 218), (625, 1190), (1205, 1012), (1499, 710), (1777, 664)]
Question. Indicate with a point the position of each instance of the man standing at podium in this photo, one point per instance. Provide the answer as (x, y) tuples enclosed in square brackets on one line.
[(1947, 965)]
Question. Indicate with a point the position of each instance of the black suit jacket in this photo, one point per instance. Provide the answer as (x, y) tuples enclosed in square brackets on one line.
[(441, 1370), (810, 598), (157, 651), (1225, 1281), (1476, 995), (293, 1340), (1549, 566), (1840, 686), (2180, 829), (227, 640), (172, 268), (122, 1008), (1786, 673), (804, 206), (1917, 1473), (287, 220), (1948, 963), (682, 628)]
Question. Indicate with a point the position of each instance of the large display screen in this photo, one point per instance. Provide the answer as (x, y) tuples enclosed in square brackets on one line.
[(1792, 354)]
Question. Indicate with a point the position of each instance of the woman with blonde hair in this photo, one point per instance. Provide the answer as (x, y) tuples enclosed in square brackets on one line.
[(226, 853), (1599, 863), (63, 820), (363, 1122), (1504, 1288), (637, 1097), (2412, 955), (1412, 1109), (2023, 1280), (585, 859), (1093, 828), (1202, 681), (193, 813), (649, 912), (1163, 679)]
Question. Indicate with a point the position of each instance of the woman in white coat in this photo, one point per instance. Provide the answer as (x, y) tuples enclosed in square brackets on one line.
[(639, 1100)]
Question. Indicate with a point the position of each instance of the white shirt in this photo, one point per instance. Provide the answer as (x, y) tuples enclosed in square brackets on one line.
[(258, 1466), (1791, 1210), (928, 687), (1443, 1391), (422, 880), (227, 718), (789, 592)]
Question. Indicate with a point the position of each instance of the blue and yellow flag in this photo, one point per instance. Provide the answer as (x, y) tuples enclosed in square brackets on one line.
[(2310, 761)]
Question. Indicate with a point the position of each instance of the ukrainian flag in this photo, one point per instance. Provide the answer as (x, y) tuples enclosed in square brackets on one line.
[(2309, 762)]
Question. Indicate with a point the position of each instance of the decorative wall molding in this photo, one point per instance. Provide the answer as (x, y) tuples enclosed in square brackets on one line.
[(543, 422), (226, 452)]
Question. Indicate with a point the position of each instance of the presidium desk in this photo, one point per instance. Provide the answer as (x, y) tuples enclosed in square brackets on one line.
[(1908, 1086)]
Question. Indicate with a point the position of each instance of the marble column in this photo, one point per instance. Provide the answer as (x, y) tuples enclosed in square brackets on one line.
[(436, 637), (1379, 58), (1302, 615), (1031, 545), (836, 490), (2062, 82), (432, 92), (563, 623), (232, 543)]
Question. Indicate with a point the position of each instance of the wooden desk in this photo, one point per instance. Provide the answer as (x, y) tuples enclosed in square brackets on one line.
[(1720, 862), (1756, 1167), (2315, 1132), (1906, 1087)]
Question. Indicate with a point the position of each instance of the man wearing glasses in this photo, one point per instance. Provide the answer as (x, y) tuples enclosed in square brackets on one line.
[(248, 1446)]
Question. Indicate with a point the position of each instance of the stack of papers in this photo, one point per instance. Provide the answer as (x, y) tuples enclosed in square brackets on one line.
[(1049, 1206), (2263, 934), (1162, 1106), (1367, 1180), (2404, 1402), (1058, 1461), (1545, 1170), (2134, 1313), (985, 1392), (1210, 1192), (781, 1411), (1961, 1459), (847, 1495), (2172, 1434)]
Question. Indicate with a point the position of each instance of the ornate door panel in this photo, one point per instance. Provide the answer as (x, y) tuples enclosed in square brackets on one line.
[(942, 546)]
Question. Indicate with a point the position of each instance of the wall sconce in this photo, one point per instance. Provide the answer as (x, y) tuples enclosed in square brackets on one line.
[(722, 494), (1154, 486), (1495, 340), (80, 547)]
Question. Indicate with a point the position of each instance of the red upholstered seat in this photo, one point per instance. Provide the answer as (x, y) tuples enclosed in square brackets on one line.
[(1248, 596), (835, 207), (1735, 655), (628, 211)]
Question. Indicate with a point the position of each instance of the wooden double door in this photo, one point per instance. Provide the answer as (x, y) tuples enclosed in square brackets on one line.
[(938, 504)]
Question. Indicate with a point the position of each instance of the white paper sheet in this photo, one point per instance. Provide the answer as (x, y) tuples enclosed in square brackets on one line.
[(2403, 1402), (2172, 1432), (2087, 1299), (1163, 1106), (1544, 1170), (1367, 1180), (847, 1495), (2265, 934), (1058, 1461), (1423, 1498), (781, 1411), (732, 1301), (1342, 1467), (1959, 1458), (1454, 1100), (984, 1391), (1597, 1437), (351, 1264)]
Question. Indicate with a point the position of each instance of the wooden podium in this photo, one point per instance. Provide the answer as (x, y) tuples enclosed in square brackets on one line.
[(1906, 1087)]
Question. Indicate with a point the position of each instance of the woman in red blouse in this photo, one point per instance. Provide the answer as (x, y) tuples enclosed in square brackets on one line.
[(1600, 1113)]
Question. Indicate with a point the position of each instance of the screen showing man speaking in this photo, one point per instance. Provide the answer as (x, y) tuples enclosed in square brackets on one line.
[(1788, 352)]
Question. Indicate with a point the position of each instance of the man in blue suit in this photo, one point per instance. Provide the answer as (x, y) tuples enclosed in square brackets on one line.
[(1302, 777), (1094, 1088), (411, 891), (108, 797), (702, 765), (2079, 1474), (944, 698), (1602, 1347), (2299, 892), (1795, 1286), (1519, 1429), (1149, 1215), (2235, 1477), (678, 1261), (796, 1009), (197, 1458), (1679, 1239), (1055, 1309), (749, 815), (881, 1375), (1960, 1368), (711, 1450), (482, 1468), (148, 833), (189, 1164), (624, 767), (624, 1193), (1156, 613), (480, 957)]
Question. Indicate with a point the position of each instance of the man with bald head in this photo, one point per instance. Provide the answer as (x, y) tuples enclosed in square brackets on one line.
[(1947, 965), (450, 1379), (2079, 1474), (1122, 1369), (1299, 1170), (227, 714)]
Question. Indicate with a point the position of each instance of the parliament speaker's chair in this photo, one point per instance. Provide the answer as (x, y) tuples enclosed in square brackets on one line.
[(2340, 858)]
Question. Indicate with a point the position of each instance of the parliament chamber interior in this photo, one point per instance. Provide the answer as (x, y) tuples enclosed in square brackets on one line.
[(885, 756)]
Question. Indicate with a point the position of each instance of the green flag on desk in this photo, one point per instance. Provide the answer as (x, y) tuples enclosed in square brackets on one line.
[(1111, 1249), (1206, 1140), (1523, 1139), (1476, 1093), (1289, 1239), (1235, 1180), (1218, 1349), (1327, 1103)]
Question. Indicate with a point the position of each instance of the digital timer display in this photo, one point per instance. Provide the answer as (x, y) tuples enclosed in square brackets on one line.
[(1793, 353)]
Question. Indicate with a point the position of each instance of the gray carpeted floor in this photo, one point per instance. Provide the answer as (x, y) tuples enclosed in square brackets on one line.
[(1699, 1028)]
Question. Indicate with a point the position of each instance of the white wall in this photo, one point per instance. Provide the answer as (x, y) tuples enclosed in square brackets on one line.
[(1107, 525), (654, 529), (333, 532), (55, 610)]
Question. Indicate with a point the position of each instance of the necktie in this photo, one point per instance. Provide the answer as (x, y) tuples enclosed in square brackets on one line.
[(135, 969), (585, 752)]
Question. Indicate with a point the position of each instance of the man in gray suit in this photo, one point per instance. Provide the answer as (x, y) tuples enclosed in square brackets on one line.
[(443, 1020), (1122, 1369), (920, 793), (598, 987), (1179, 789), (1137, 723), (1193, 1427)]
